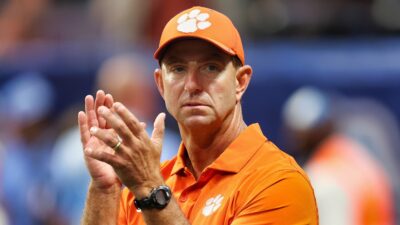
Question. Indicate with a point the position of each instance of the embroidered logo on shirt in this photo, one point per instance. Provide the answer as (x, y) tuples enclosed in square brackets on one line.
[(212, 205), (192, 21)]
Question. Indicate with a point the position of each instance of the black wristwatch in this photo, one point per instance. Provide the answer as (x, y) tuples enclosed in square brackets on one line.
[(158, 199)]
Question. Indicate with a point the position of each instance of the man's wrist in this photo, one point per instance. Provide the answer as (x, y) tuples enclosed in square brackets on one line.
[(142, 192), (158, 198), (143, 189), (101, 189)]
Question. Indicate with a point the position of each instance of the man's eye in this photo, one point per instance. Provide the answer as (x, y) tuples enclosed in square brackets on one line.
[(212, 68), (178, 69)]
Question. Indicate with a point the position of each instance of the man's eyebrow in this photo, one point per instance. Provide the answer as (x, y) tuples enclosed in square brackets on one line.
[(214, 56), (172, 59)]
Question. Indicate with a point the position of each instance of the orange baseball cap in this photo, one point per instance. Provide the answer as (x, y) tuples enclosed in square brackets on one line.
[(206, 24)]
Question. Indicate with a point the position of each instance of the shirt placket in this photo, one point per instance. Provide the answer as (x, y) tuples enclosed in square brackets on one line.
[(189, 195)]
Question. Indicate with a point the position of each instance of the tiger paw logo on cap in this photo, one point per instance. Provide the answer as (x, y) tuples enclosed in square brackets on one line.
[(192, 21)]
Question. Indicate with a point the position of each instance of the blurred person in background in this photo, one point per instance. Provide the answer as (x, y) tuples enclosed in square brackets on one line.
[(126, 77), (27, 136), (371, 124), (3, 216), (120, 22), (351, 185), (133, 21), (3, 213), (19, 22), (69, 176)]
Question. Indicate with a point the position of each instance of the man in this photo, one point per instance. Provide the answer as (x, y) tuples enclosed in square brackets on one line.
[(225, 172)]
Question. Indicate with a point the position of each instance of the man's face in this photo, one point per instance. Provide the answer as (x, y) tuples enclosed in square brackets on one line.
[(198, 83)]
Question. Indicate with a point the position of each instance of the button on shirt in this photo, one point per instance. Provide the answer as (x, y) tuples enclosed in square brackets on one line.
[(251, 182)]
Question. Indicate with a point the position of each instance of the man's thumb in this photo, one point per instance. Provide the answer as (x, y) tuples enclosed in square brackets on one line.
[(158, 132)]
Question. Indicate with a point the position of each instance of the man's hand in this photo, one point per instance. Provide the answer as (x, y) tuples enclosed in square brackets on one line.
[(137, 159), (103, 175)]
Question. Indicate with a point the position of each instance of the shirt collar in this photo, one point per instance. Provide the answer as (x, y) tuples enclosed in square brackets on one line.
[(235, 156), (180, 160)]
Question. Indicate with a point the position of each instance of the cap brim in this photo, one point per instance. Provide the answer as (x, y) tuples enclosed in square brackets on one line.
[(161, 50)]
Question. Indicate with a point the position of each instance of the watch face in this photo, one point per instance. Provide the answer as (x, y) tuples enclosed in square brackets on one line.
[(161, 197)]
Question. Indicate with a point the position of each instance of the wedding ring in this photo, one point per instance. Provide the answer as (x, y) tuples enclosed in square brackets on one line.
[(116, 146)]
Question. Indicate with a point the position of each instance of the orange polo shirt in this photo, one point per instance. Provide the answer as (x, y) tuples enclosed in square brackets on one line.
[(251, 182)]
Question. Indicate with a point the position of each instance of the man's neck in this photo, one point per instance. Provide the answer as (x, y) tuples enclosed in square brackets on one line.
[(205, 146)]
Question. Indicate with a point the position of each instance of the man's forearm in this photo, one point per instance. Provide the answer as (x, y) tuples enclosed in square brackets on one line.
[(101, 206)]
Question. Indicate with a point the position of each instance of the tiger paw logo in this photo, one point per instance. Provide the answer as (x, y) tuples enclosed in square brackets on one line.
[(193, 21), (212, 205)]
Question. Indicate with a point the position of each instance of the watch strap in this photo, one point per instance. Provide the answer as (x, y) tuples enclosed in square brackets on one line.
[(150, 202)]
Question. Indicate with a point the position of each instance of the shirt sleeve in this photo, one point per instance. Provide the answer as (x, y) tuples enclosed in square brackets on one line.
[(122, 215), (284, 197)]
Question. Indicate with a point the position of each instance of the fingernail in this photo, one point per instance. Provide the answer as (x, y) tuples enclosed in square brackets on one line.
[(102, 110), (117, 105), (93, 130)]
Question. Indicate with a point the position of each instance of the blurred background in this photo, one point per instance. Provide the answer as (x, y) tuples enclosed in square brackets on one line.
[(326, 89)]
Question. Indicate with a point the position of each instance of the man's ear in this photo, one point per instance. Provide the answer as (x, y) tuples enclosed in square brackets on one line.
[(159, 81), (243, 77)]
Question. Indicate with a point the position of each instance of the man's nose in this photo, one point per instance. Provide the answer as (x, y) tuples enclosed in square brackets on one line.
[(192, 82)]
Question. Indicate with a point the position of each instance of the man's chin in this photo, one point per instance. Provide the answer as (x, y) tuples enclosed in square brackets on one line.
[(195, 122)]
